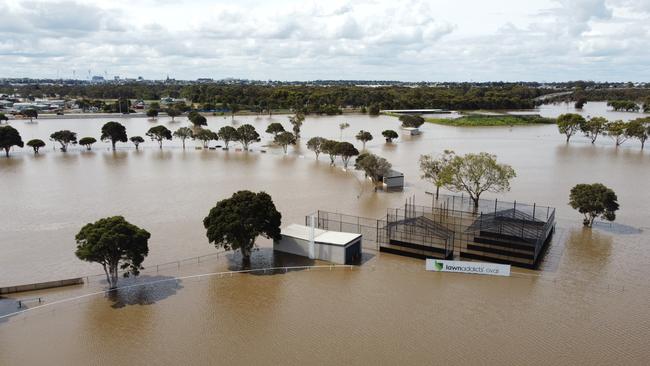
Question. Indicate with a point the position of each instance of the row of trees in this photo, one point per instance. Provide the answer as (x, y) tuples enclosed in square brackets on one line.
[(624, 105), (309, 99), (570, 124)]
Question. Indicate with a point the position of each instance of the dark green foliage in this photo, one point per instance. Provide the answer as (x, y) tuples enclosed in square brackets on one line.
[(184, 133), (36, 144), (285, 139), (228, 134), (246, 135), (315, 144), (346, 150), (296, 122), (617, 130), (236, 222), (115, 244), (136, 140), (65, 138), (197, 119), (275, 128), (594, 200), (373, 110), (173, 112), (329, 147), (410, 120), (375, 167), (115, 132), (9, 137), (205, 136), (639, 129), (152, 113), (364, 136), (3, 117), (87, 142), (593, 127), (159, 133), (624, 105), (389, 135), (31, 113)]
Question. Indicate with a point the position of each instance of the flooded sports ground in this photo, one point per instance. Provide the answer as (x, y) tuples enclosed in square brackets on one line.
[(587, 302)]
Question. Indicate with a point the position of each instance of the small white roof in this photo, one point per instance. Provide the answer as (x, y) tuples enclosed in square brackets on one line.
[(320, 236)]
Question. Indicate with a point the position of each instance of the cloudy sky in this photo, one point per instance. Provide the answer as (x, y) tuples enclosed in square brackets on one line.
[(432, 40)]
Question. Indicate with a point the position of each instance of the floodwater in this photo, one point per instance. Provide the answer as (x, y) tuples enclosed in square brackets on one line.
[(588, 306)]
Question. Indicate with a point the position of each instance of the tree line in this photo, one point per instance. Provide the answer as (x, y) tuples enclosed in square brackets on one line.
[(570, 124), (308, 99)]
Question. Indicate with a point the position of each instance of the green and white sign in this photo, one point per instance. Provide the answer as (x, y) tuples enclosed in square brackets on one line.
[(437, 265)]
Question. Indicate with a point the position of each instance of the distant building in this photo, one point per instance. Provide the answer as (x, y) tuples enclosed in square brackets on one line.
[(394, 180), (97, 79)]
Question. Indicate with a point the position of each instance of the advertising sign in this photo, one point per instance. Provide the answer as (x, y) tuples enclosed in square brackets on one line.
[(438, 265)]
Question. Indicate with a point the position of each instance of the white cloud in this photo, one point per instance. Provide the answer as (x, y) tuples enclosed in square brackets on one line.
[(369, 39)]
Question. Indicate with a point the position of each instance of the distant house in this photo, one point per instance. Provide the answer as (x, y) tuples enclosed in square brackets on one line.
[(332, 246), (411, 130)]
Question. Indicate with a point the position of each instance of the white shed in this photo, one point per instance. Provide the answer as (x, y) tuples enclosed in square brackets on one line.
[(332, 246)]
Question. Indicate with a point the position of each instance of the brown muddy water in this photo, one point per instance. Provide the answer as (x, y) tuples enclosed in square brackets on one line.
[(590, 304)]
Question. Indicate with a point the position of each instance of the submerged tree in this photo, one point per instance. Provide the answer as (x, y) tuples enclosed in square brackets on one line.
[(115, 244), (329, 147), (9, 137), (159, 133), (115, 132), (275, 128), (389, 135), (373, 110), (3, 118), (184, 133), (173, 113), (296, 123), (346, 150), (227, 134), (136, 140), (234, 223), (437, 170), (617, 130), (197, 119), (343, 126), (246, 135), (594, 200), (87, 142), (285, 139), (593, 127), (205, 136), (569, 124), (639, 129), (36, 144), (315, 144), (479, 173), (65, 138), (30, 113), (364, 136), (374, 167), (411, 121), (152, 113)]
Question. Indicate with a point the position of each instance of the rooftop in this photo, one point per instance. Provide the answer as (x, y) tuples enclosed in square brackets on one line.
[(320, 236)]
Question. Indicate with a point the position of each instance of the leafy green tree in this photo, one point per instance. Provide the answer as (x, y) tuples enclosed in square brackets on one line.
[(205, 136), (617, 130), (114, 243), (154, 106), (184, 133), (479, 173), (246, 135), (296, 122), (437, 170), (363, 110), (639, 129), (173, 113), (593, 127), (646, 105), (364, 136), (9, 137), (624, 105), (329, 147), (197, 119), (87, 142), (569, 124), (30, 113), (65, 138), (236, 222), (346, 150), (390, 135), (36, 144), (375, 167), (315, 144), (580, 102), (234, 108), (152, 113), (373, 110), (3, 118), (412, 121), (228, 134), (594, 200), (285, 139), (275, 128), (343, 126), (115, 132), (136, 140), (159, 133)]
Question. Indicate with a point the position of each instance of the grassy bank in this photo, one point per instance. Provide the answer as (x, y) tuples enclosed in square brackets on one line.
[(482, 120)]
